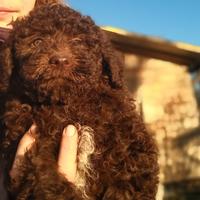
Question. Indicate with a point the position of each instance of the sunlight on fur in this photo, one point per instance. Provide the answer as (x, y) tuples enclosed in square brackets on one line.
[(86, 147)]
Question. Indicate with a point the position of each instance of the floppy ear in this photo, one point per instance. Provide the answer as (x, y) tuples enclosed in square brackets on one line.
[(6, 66), (113, 63)]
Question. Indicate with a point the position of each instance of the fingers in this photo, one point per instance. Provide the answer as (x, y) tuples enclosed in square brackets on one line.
[(67, 163), (24, 145)]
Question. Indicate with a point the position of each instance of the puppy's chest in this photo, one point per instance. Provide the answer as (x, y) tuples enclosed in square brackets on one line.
[(96, 124), (93, 138), (52, 118)]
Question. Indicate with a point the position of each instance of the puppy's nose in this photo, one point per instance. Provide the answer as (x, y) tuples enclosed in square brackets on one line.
[(58, 60)]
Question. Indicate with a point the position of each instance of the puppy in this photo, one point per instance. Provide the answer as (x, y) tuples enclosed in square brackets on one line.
[(59, 68)]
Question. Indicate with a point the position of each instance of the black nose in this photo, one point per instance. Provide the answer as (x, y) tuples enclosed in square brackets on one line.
[(58, 60)]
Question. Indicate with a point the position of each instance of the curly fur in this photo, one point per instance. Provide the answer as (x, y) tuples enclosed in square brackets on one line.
[(59, 68)]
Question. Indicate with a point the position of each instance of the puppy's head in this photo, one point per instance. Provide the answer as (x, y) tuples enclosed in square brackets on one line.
[(56, 51)]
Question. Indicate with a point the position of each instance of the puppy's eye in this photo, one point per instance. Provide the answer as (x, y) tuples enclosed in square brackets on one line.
[(74, 40), (36, 42)]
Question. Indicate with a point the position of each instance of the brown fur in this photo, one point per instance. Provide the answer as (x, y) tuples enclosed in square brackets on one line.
[(117, 158)]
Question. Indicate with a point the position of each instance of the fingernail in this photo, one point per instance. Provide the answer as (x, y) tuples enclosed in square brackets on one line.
[(32, 130), (70, 130), (33, 127)]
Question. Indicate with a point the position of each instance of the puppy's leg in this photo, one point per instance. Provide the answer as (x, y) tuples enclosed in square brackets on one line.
[(16, 121)]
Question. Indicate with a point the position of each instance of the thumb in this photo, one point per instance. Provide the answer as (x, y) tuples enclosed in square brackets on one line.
[(67, 159)]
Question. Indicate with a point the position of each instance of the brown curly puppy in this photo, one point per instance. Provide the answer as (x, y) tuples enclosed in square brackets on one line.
[(58, 68)]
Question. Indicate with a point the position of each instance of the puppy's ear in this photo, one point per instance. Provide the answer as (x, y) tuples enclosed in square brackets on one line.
[(113, 63), (6, 67)]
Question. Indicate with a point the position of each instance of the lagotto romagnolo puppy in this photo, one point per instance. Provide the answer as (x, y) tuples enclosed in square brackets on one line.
[(59, 68)]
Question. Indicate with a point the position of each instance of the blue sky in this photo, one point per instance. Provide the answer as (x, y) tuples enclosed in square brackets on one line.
[(176, 20)]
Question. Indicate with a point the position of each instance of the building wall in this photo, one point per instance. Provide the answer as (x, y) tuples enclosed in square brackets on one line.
[(166, 99)]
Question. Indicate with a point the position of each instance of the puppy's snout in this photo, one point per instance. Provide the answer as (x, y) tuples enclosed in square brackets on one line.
[(58, 60)]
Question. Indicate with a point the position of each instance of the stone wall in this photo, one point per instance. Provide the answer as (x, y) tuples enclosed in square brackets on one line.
[(167, 102)]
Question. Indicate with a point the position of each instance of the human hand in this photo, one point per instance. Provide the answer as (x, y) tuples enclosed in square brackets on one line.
[(67, 164)]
